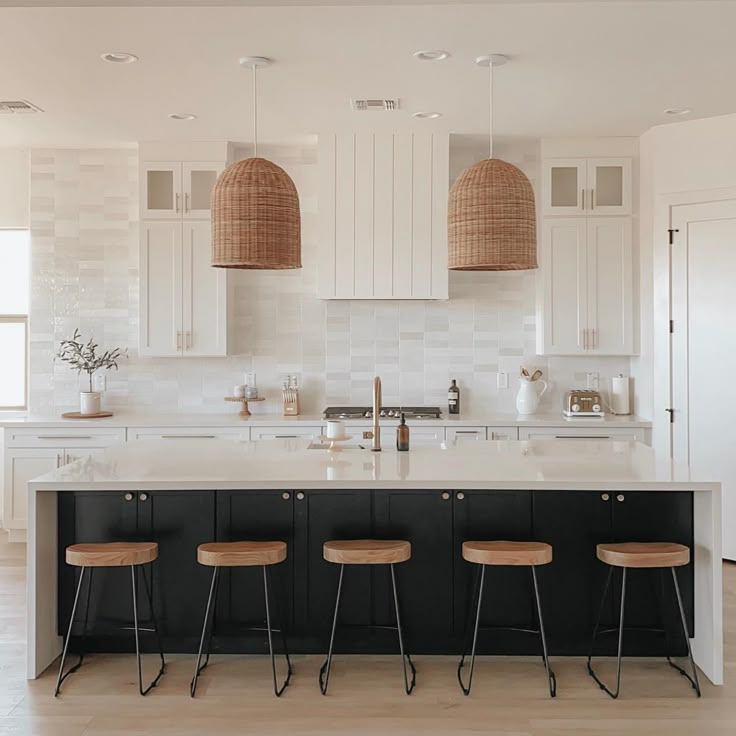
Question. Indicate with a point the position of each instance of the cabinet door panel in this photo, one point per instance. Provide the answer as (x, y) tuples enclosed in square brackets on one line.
[(425, 581), (204, 294), (255, 516), (572, 585), (344, 253), (178, 521), (564, 186), (91, 517), (421, 230), (198, 181), (161, 289), (610, 286), (322, 516), (161, 190), (564, 287), (660, 516), (20, 467), (493, 515), (609, 180)]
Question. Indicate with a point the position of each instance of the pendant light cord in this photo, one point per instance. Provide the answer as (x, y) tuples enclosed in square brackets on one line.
[(490, 108), (255, 111)]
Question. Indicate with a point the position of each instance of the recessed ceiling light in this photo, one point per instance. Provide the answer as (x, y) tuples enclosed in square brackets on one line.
[(677, 111), (431, 55), (119, 57), (182, 116), (427, 115)]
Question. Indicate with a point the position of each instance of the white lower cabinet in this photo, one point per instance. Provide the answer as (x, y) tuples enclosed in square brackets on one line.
[(285, 433), (502, 433), (583, 433), (194, 433), (465, 434)]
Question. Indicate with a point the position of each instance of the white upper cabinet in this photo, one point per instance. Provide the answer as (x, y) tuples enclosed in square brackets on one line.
[(383, 211), (587, 287), (587, 186), (183, 299), (176, 189)]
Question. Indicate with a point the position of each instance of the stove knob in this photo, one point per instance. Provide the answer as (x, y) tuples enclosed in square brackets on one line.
[(382, 413), (596, 407), (368, 415), (575, 407)]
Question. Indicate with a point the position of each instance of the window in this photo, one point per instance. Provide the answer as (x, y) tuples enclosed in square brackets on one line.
[(15, 290)]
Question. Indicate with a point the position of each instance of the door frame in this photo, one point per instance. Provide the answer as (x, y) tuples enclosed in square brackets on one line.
[(662, 430)]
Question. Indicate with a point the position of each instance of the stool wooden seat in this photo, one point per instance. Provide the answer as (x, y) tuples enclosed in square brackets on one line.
[(367, 551), (507, 553), (111, 554), (241, 554), (644, 554)]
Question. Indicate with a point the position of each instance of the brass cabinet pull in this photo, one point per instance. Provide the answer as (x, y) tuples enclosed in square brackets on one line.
[(582, 198), (186, 201)]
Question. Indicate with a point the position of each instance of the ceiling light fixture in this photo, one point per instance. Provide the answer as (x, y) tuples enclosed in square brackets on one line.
[(256, 222), (677, 111), (491, 220), (119, 57), (427, 115), (431, 55), (182, 116)]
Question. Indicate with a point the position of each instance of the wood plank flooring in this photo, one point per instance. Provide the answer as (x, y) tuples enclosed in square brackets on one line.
[(366, 694)]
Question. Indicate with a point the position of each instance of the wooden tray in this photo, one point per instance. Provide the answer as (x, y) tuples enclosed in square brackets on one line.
[(79, 415)]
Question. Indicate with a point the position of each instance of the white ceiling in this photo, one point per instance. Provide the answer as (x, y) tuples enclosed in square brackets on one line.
[(580, 68)]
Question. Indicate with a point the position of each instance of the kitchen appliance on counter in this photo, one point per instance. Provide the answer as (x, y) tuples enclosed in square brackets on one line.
[(582, 403), (366, 412)]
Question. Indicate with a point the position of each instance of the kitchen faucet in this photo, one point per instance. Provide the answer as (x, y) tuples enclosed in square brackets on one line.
[(375, 435)]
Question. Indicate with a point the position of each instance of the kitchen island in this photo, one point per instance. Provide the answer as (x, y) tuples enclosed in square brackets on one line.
[(573, 495)]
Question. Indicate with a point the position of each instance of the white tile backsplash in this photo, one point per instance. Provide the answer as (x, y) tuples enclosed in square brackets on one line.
[(84, 222)]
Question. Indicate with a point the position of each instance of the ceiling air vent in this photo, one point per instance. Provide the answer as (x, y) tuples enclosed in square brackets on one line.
[(385, 105), (17, 107)]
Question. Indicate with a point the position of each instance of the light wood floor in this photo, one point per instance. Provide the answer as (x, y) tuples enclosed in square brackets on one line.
[(234, 697)]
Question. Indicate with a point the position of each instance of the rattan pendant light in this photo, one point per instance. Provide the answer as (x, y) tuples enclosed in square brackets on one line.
[(491, 220), (255, 208)]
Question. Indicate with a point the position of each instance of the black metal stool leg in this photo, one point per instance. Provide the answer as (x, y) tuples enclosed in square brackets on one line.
[(148, 587), (324, 672), (133, 578), (210, 607), (694, 679), (466, 689), (278, 691), (61, 677), (550, 673), (408, 686), (614, 694)]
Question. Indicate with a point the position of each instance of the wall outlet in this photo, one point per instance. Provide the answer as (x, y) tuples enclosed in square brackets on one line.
[(502, 380), (593, 380), (99, 382)]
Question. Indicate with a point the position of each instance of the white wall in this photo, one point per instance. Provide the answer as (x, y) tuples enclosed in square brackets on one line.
[(14, 176), (687, 161)]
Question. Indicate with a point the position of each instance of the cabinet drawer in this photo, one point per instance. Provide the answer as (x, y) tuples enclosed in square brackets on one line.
[(285, 433), (198, 433), (64, 437), (581, 433), (502, 433), (463, 434)]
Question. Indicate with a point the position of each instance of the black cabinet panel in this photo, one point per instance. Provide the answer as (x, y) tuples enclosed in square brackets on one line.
[(572, 585), (425, 582), (255, 516), (179, 521), (321, 516), (493, 515)]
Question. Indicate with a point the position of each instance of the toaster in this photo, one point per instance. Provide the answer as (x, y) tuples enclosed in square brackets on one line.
[(580, 403)]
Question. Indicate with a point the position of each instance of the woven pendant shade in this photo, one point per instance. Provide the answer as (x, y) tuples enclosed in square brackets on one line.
[(491, 219), (255, 217)]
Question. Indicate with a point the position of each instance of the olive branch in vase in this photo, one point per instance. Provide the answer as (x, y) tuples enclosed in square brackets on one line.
[(84, 356)]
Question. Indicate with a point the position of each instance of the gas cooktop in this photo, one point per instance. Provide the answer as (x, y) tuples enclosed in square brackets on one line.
[(366, 412)]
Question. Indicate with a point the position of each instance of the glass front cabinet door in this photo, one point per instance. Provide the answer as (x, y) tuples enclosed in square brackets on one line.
[(176, 190), (198, 181), (594, 186)]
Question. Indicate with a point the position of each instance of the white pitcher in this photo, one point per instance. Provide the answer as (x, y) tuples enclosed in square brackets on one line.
[(527, 400)]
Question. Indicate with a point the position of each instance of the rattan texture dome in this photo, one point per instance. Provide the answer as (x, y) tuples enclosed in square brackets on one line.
[(491, 220), (255, 217)]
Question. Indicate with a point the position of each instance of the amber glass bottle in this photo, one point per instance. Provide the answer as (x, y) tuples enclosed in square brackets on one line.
[(402, 435)]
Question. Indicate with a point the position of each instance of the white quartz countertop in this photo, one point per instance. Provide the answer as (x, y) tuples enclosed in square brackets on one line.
[(290, 465), (230, 418)]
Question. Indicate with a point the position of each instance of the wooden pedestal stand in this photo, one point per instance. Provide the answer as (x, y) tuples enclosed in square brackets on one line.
[(244, 412)]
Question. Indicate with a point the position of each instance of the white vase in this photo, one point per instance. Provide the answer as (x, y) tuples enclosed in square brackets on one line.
[(527, 400), (89, 402)]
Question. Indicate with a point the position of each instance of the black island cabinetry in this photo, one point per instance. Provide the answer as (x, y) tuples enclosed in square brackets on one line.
[(435, 586)]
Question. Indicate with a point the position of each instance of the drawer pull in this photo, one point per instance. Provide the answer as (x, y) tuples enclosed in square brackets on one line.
[(128, 496), (620, 497), (143, 497), (300, 496), (460, 496), (467, 431), (445, 496), (286, 495), (187, 436), (64, 436), (605, 497), (582, 437), (286, 436)]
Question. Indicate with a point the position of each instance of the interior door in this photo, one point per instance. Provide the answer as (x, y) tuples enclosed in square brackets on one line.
[(204, 294), (704, 347)]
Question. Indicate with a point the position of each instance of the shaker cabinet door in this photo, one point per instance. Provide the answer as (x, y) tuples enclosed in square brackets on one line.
[(609, 184), (161, 190), (198, 181), (564, 186)]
